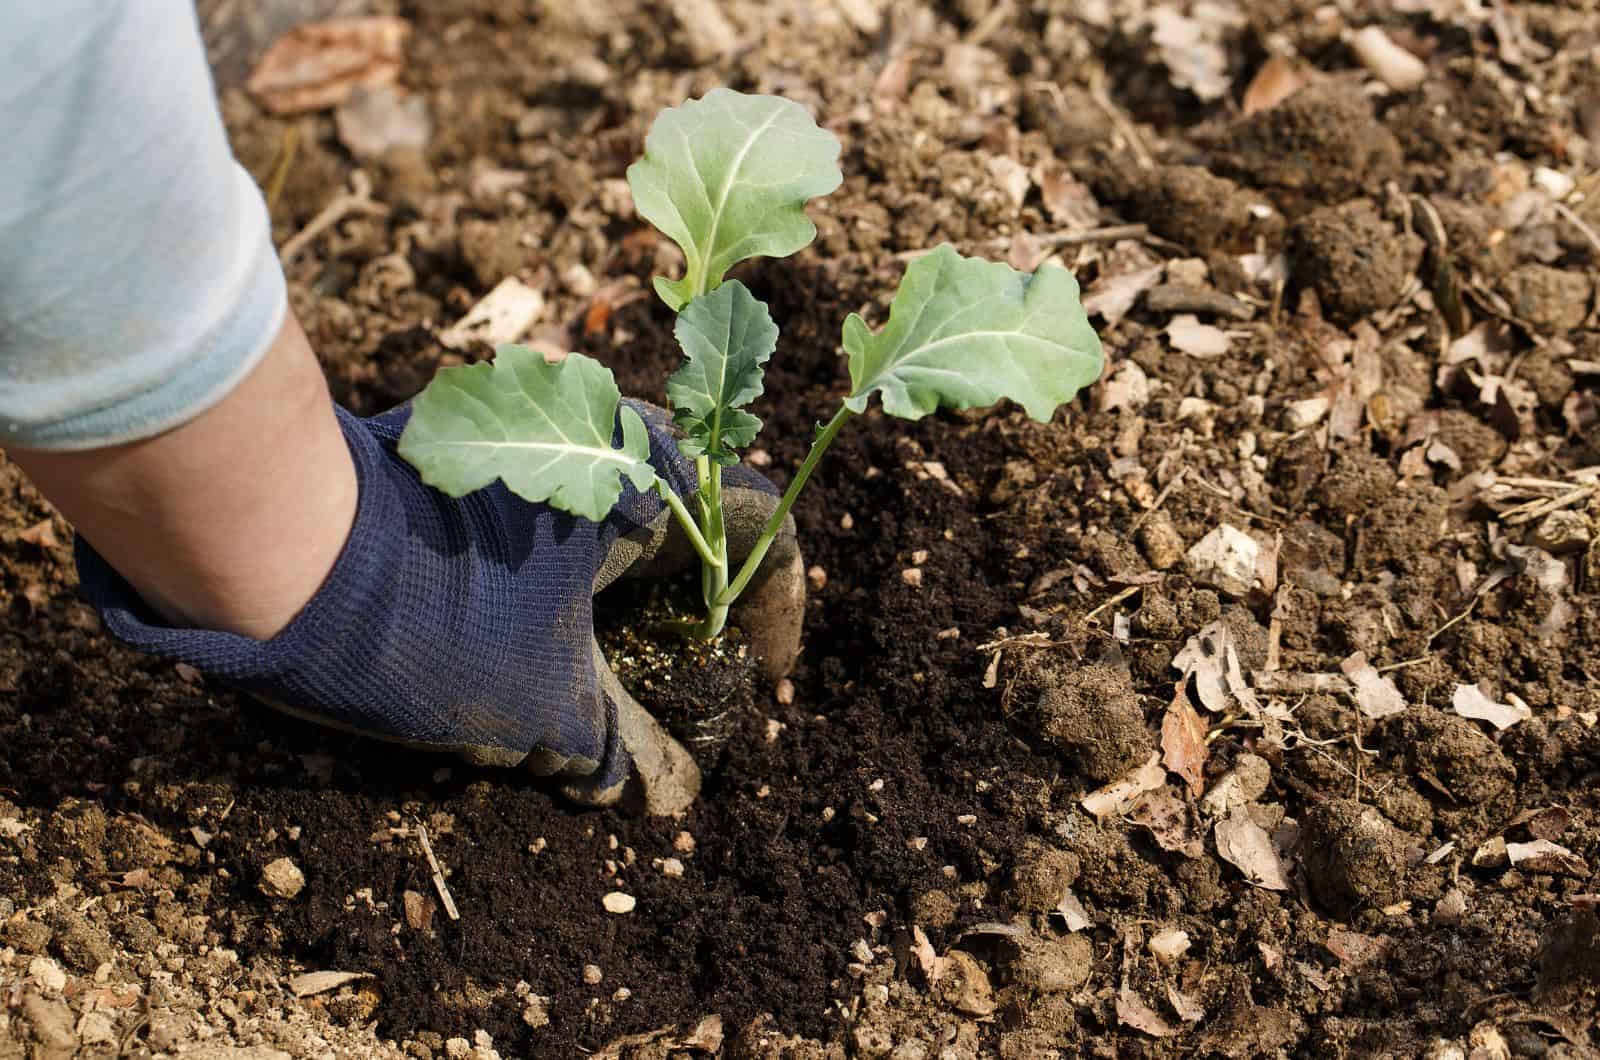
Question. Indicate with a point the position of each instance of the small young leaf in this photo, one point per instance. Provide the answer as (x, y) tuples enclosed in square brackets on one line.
[(543, 429), (727, 177), (726, 336), (964, 333)]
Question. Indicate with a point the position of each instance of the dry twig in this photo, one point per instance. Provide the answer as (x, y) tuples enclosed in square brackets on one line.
[(438, 873), (358, 200)]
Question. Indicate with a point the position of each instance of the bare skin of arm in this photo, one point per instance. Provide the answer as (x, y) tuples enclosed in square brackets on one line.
[(231, 521)]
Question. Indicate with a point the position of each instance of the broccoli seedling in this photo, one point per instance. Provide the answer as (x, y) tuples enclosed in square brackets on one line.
[(727, 178)]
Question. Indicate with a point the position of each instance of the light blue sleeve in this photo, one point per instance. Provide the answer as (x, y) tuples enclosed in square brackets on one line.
[(138, 281)]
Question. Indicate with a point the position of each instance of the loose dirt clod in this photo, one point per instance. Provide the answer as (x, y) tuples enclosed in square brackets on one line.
[(1092, 716), (1353, 858)]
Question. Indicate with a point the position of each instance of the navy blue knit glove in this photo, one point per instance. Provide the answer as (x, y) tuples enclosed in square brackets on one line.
[(466, 624)]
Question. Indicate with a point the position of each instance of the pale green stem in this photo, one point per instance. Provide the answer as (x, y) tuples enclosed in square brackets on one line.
[(714, 580), (686, 520), (769, 533)]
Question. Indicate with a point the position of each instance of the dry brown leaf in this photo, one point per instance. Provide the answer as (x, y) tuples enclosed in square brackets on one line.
[(1279, 78), (1112, 297), (319, 64), (1133, 1012), (1120, 796), (1167, 818), (1470, 702), (1183, 740), (1067, 200), (1246, 846), (1187, 1008), (1375, 694), (1541, 855)]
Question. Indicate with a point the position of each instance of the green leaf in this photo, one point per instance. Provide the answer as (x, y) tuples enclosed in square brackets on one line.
[(727, 178), (964, 333), (726, 336), (543, 429)]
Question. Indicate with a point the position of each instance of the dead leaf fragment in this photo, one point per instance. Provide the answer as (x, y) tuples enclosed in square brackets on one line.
[(1183, 740), (932, 965), (1541, 855), (1073, 912), (1187, 1008), (1375, 694), (313, 983), (1112, 297), (1133, 1012), (1279, 78), (503, 315), (373, 120), (1128, 389), (1120, 796), (1355, 949), (319, 64), (1192, 48), (1167, 818), (1470, 702), (1246, 846), (1188, 335)]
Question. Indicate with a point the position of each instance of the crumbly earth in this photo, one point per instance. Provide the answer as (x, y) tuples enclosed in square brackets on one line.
[(894, 857)]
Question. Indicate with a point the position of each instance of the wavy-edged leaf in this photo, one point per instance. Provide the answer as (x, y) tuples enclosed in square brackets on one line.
[(964, 333), (727, 178), (727, 336), (545, 430)]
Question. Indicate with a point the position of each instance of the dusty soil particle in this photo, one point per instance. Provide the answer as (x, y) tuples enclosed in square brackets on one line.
[(1356, 483), (1042, 877), (1322, 145), (1355, 260), (1092, 716), (1353, 858), (1478, 445), (1551, 299), (1046, 965), (1190, 205), (1467, 776)]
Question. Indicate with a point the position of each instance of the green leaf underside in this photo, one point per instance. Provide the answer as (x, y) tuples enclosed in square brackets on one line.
[(543, 429), (727, 336), (727, 178), (964, 333)]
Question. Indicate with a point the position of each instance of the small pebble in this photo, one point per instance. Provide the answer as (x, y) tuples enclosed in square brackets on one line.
[(919, 557), (672, 868), (846, 522), (282, 879), (758, 458), (784, 693), (622, 994), (683, 843), (967, 820), (912, 576), (816, 577), (592, 974), (47, 974), (619, 903)]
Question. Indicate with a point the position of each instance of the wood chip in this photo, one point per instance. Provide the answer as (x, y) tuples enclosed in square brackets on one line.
[(1133, 1012), (312, 983), (319, 64), (1278, 78)]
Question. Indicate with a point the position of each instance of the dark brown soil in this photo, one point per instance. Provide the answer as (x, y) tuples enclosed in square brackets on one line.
[(919, 799)]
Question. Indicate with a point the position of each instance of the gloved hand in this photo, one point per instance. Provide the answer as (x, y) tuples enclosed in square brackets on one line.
[(467, 625)]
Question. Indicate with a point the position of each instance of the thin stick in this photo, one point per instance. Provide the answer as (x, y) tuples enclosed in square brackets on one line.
[(1097, 92), (1161, 498), (1579, 223), (357, 200), (1054, 240), (438, 873), (1117, 599)]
